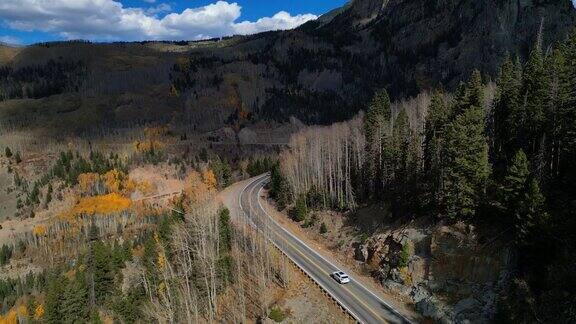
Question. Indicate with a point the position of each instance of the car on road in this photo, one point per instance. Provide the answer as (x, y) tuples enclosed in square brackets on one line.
[(341, 277)]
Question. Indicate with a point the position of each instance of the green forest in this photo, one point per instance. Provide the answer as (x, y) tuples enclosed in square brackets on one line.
[(508, 166)]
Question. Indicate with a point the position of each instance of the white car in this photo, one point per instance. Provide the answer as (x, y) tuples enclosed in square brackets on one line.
[(341, 277)]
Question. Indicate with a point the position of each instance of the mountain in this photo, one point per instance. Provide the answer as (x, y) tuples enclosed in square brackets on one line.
[(321, 72)]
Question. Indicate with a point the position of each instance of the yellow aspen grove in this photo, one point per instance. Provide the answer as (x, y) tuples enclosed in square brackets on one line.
[(99, 205), (209, 178), (89, 183), (10, 318), (114, 180)]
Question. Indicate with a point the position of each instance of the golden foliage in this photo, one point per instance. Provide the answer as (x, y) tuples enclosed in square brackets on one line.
[(10, 318), (99, 205), (114, 180), (161, 260), (22, 310), (198, 190), (209, 178), (39, 230), (145, 187), (148, 146), (39, 312), (88, 181)]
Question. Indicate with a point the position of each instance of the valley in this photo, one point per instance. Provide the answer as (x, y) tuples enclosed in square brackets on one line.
[(426, 149)]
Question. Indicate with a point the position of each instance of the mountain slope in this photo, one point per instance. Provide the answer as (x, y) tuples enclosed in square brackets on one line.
[(322, 72)]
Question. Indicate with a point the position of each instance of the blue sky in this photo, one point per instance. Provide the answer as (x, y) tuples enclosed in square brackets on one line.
[(30, 21)]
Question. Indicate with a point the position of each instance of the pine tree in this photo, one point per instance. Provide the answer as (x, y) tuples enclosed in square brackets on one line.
[(75, 301), (279, 188), (101, 268), (521, 200), (434, 133), (54, 298), (301, 209), (535, 94), (506, 106), (376, 122), (567, 116), (401, 142), (48, 195), (466, 152), (513, 187), (531, 215), (225, 230)]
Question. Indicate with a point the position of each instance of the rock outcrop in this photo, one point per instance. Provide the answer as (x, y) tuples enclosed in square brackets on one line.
[(449, 275)]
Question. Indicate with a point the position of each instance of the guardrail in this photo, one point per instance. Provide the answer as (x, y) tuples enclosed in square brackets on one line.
[(326, 291)]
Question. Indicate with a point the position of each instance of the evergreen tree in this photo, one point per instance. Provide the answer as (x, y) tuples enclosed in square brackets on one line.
[(531, 215), (8, 152), (75, 301), (566, 160), (225, 230), (466, 152), (506, 106), (512, 190), (101, 268), (535, 95), (376, 122), (48, 195), (521, 200), (279, 188), (301, 209), (54, 299), (401, 140), (434, 130)]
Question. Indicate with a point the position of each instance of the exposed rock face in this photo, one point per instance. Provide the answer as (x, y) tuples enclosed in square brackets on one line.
[(425, 42), (457, 257), (450, 276)]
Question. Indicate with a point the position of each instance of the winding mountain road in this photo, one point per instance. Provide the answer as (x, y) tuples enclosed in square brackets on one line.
[(363, 304)]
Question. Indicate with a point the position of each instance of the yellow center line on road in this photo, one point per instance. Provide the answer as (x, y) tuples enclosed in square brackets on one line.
[(366, 307), (323, 270)]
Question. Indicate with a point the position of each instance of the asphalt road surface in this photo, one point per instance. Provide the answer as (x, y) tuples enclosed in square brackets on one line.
[(363, 304)]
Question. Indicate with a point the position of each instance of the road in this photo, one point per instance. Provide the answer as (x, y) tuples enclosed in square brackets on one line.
[(364, 305)]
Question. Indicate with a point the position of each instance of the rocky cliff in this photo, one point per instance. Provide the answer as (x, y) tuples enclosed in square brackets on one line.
[(449, 275)]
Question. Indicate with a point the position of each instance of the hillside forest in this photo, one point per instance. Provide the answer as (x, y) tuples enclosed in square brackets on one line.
[(499, 155), (98, 250)]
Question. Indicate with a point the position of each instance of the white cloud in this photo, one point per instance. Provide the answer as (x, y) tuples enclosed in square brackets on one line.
[(109, 20), (574, 2), (281, 20), (10, 40)]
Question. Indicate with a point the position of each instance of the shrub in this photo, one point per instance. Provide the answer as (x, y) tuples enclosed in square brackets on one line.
[(323, 228), (17, 157), (277, 315), (8, 152), (300, 210), (404, 256), (364, 238)]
